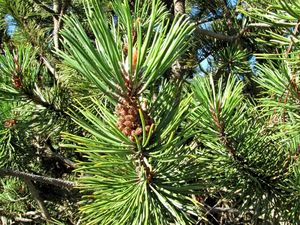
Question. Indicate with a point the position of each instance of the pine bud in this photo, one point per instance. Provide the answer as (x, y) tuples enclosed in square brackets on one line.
[(17, 82), (9, 123), (138, 131), (134, 58)]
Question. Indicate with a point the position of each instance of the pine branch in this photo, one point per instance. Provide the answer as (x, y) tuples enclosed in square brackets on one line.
[(179, 8), (46, 180), (49, 67), (221, 210), (291, 42), (38, 101), (32, 40), (219, 36), (229, 144), (223, 137), (23, 220), (209, 19), (59, 8)]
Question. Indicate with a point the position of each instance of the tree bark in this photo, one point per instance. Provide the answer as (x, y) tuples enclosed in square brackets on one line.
[(56, 9), (179, 9)]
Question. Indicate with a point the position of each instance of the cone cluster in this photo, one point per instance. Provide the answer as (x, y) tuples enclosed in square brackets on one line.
[(17, 82), (129, 122), (9, 123)]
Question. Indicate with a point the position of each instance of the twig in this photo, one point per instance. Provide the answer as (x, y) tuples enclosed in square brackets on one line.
[(24, 220), (291, 43), (209, 19), (49, 67), (219, 36), (220, 209), (39, 101), (179, 9), (37, 198), (58, 8), (226, 6), (45, 7), (38, 178)]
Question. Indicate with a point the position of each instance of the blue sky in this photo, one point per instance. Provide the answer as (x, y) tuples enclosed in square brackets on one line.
[(11, 26)]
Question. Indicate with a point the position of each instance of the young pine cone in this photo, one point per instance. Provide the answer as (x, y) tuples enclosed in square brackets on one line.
[(129, 121)]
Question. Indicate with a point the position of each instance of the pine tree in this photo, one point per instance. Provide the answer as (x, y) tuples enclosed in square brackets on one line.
[(134, 112), (34, 102)]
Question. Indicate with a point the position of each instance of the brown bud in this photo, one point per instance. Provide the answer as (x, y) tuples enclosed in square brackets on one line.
[(17, 65), (138, 131), (132, 133), (122, 119), (9, 123), (17, 81), (124, 102), (134, 58)]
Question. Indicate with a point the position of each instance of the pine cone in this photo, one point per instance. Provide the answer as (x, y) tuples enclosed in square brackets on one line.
[(129, 122)]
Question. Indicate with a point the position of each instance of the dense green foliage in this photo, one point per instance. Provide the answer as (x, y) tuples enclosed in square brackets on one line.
[(144, 115)]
